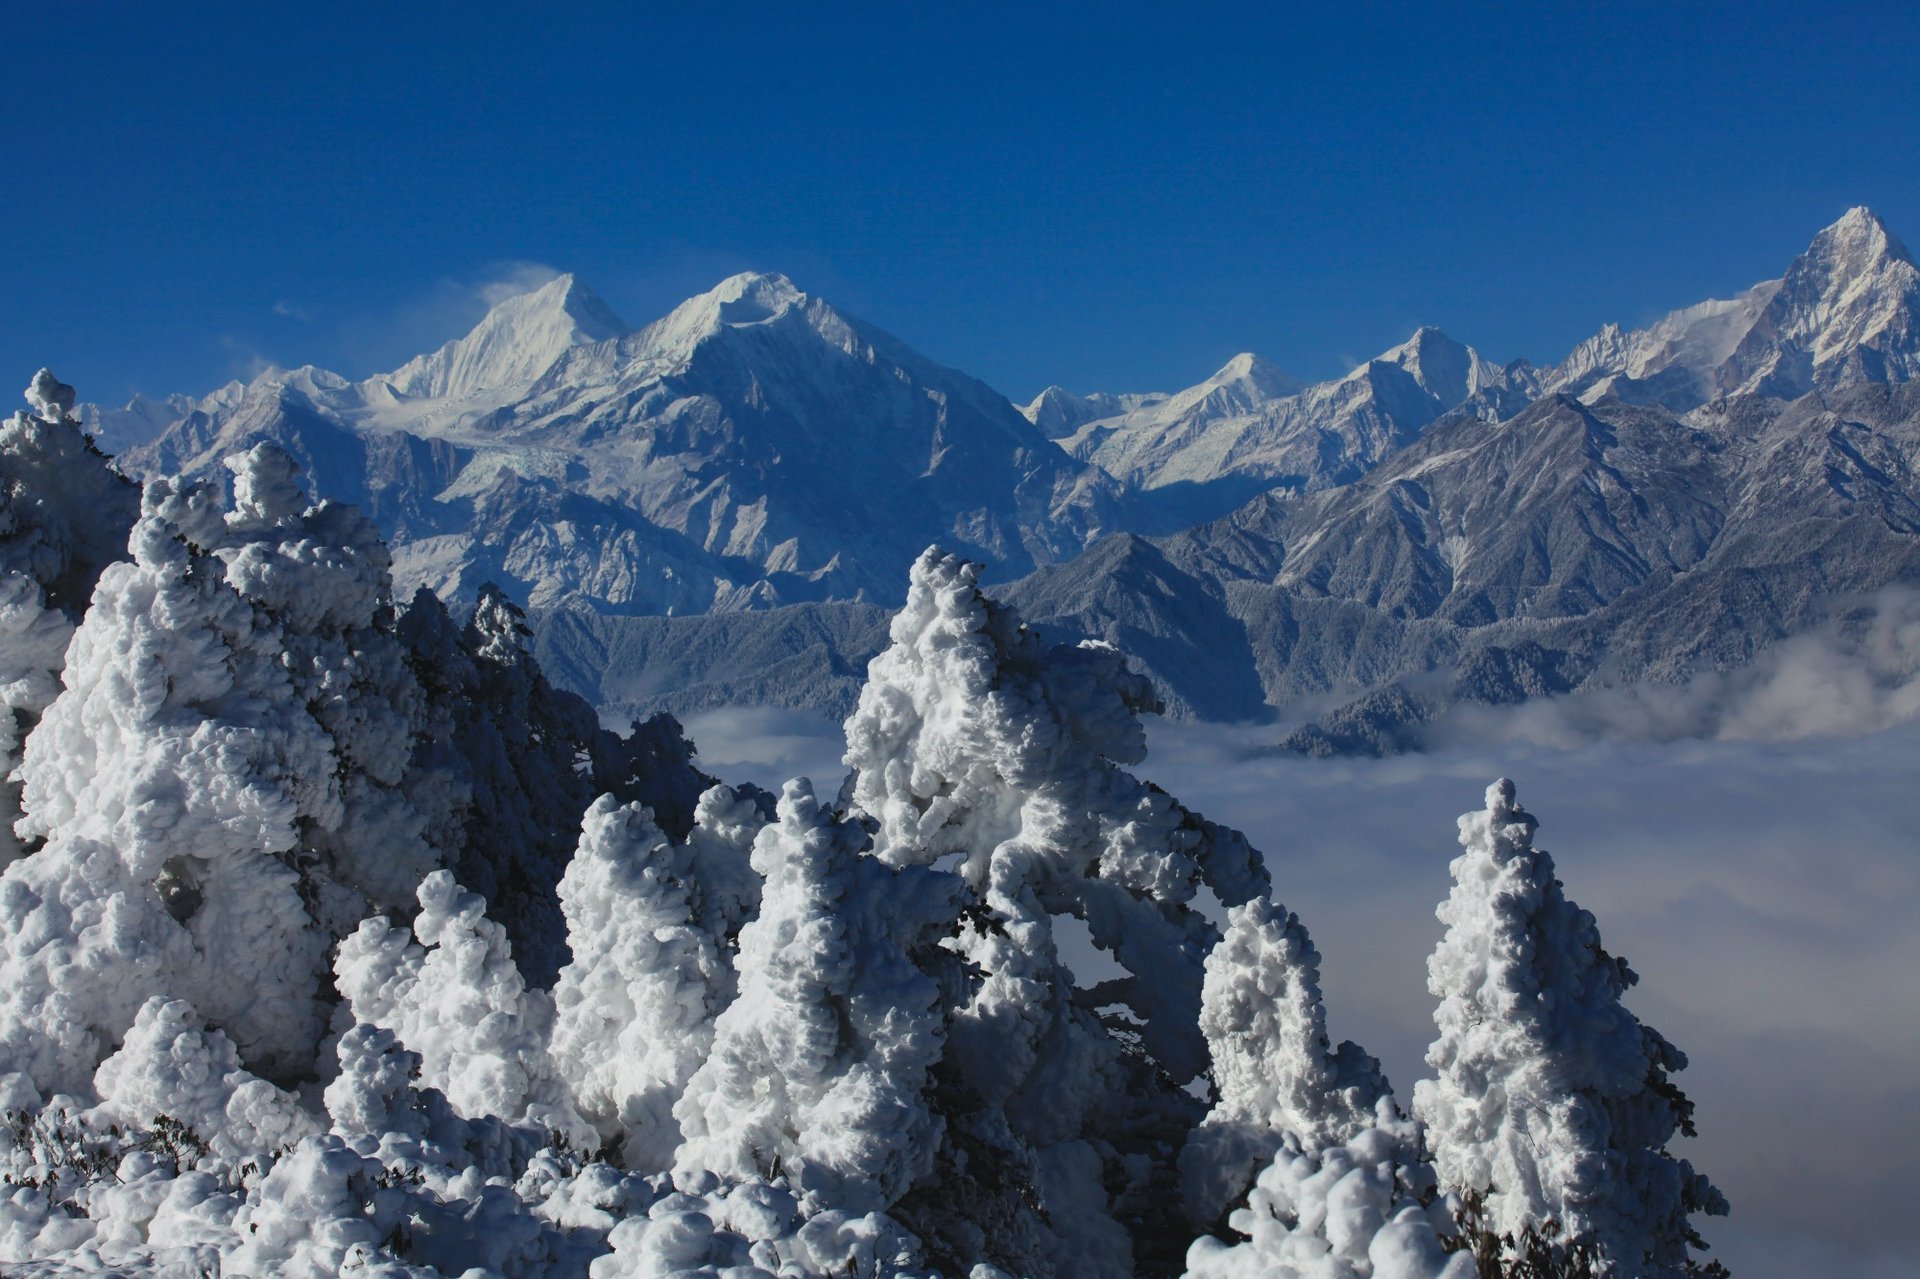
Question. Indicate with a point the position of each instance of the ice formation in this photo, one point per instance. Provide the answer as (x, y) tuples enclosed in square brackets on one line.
[(1549, 1096)]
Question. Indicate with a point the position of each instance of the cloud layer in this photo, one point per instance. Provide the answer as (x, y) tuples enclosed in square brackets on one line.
[(1761, 884)]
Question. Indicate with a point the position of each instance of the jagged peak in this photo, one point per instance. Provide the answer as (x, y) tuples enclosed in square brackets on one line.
[(1858, 240)]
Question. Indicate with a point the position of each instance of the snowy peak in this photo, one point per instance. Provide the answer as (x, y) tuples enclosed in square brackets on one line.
[(1243, 385), (1444, 368), (1857, 243), (1059, 412), (514, 343), (1847, 311), (739, 301)]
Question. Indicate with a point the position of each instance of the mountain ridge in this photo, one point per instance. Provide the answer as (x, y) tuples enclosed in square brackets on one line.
[(1257, 543)]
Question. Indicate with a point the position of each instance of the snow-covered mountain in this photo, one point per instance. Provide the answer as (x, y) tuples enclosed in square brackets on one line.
[(1250, 427), (1847, 311), (753, 447), (758, 449)]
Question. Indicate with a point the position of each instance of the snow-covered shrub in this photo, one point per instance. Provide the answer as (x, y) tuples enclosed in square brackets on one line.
[(819, 1067), (1275, 1074), (172, 1067), (1552, 1101), (1362, 1208), (64, 516)]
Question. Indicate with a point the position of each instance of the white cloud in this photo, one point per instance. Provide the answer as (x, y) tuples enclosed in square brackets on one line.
[(1858, 673)]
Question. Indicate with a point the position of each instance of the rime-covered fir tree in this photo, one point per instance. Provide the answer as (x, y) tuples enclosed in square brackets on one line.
[(222, 785), (64, 516), (636, 1003), (1275, 1073), (980, 745), (1551, 1099), (819, 1069), (529, 758)]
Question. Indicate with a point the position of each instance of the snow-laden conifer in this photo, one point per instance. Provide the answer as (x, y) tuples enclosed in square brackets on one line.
[(820, 1065), (527, 758), (64, 515), (221, 785), (977, 742), (1551, 1099), (449, 990), (1275, 1073), (634, 1008)]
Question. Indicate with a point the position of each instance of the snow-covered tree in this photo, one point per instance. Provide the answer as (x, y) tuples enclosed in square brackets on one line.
[(222, 785), (1275, 1073), (530, 757), (978, 743), (449, 990), (819, 1068), (635, 1006), (1551, 1099), (64, 516)]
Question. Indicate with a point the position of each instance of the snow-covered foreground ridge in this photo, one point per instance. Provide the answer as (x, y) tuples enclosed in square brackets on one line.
[(334, 940)]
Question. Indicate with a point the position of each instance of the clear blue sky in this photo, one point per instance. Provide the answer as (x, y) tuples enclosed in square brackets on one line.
[(1107, 196)]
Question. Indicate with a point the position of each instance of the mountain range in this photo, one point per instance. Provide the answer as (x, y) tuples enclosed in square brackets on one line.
[(718, 507)]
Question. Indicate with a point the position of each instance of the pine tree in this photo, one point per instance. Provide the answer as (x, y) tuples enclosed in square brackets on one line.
[(979, 744), (526, 759), (448, 989), (222, 785), (635, 1005), (1551, 1101)]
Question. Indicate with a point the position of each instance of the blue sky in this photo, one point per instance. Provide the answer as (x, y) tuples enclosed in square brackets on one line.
[(1106, 196)]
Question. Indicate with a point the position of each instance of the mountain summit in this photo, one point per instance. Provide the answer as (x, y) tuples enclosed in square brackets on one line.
[(1847, 311), (753, 446), (517, 341)]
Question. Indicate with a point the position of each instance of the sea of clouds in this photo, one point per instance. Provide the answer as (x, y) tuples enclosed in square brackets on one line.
[(1750, 842)]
